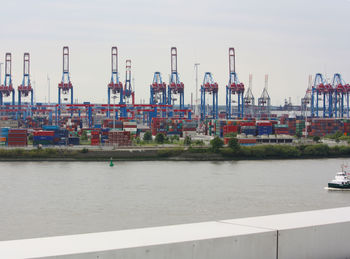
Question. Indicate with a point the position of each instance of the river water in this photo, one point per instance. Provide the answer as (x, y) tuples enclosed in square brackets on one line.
[(58, 198)]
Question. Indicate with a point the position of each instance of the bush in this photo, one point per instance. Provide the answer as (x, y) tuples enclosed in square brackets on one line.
[(199, 142), (84, 150), (316, 139), (233, 144), (147, 136), (216, 144), (160, 138), (187, 141)]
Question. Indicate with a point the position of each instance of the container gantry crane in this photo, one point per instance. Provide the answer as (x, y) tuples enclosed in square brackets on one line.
[(65, 86), (175, 87), (128, 91), (321, 91), (306, 100), (341, 90), (249, 100), (25, 88), (7, 88), (264, 102), (234, 87), (212, 88), (158, 92), (115, 87)]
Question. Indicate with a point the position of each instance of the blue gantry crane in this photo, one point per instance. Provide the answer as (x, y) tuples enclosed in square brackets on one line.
[(212, 88), (341, 91), (322, 91), (234, 87)]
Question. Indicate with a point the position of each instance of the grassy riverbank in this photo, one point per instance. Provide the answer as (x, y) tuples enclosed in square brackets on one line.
[(179, 153)]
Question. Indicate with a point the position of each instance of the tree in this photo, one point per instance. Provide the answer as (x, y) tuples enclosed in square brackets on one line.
[(187, 141), (233, 144), (160, 138), (216, 144), (316, 139), (147, 136)]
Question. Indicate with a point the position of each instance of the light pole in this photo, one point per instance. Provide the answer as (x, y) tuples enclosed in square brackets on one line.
[(48, 86), (196, 65), (0, 71), (114, 112)]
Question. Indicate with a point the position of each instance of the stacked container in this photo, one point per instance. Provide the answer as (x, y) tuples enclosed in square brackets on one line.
[(281, 129), (300, 127), (4, 132), (43, 137), (17, 138), (291, 126), (158, 125), (119, 138), (264, 127), (130, 126), (95, 138), (323, 126), (104, 135)]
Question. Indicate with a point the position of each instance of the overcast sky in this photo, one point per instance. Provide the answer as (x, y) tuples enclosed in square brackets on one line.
[(286, 39)]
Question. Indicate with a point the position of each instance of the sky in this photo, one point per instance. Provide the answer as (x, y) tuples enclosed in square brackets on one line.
[(288, 40)]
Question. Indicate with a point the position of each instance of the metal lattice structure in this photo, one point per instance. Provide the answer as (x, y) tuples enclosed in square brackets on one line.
[(25, 88), (7, 89), (175, 87), (264, 102), (234, 87), (249, 100), (65, 86), (341, 92), (322, 91), (212, 88), (115, 87)]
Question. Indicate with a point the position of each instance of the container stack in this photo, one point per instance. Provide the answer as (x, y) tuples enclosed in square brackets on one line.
[(174, 127), (130, 126), (189, 127), (346, 124), (247, 141), (291, 126), (95, 138), (323, 126), (300, 127), (5, 122), (43, 137), (281, 129), (73, 141), (4, 132), (104, 135), (158, 125), (108, 123), (17, 138), (248, 127), (264, 127), (119, 138)]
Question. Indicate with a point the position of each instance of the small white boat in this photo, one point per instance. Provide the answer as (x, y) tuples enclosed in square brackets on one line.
[(341, 181)]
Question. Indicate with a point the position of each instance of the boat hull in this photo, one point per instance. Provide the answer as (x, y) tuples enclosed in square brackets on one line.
[(339, 186)]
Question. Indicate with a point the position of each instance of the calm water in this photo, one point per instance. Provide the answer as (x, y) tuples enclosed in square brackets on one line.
[(55, 198)]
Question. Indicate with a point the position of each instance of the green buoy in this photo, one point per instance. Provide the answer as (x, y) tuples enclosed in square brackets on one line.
[(111, 163)]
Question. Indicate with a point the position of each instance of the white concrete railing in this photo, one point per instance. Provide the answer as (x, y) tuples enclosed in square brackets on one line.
[(312, 234)]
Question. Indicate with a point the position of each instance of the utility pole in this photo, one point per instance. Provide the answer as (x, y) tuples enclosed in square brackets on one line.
[(0, 71), (196, 65), (48, 86)]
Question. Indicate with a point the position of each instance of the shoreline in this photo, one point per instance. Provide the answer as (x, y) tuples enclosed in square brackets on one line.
[(263, 152)]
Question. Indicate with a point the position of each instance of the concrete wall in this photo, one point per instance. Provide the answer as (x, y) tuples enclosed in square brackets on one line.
[(313, 234)]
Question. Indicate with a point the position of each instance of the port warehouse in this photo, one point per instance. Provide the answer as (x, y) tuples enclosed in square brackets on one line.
[(324, 110)]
